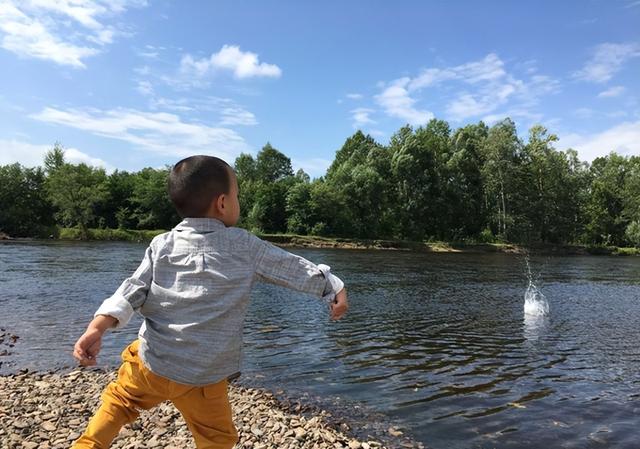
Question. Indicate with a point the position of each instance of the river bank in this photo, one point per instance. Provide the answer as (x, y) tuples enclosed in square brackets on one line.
[(47, 411), (308, 241)]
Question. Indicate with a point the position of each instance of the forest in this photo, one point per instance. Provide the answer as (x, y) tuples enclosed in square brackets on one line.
[(473, 184)]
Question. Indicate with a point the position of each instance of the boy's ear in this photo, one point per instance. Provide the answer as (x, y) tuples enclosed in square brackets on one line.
[(220, 202)]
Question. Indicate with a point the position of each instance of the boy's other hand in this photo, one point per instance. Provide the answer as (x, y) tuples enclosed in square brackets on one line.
[(87, 347), (340, 305)]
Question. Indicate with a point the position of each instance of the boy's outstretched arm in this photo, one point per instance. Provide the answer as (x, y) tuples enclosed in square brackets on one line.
[(87, 347), (280, 267)]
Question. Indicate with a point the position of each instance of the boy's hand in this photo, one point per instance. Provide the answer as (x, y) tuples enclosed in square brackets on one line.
[(339, 306), (87, 347)]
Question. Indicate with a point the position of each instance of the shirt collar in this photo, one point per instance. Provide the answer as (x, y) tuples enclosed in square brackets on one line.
[(199, 224)]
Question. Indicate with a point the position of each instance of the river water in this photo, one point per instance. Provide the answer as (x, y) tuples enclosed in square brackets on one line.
[(436, 344)]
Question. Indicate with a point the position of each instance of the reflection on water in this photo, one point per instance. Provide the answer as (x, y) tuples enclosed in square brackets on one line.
[(436, 342), (534, 326)]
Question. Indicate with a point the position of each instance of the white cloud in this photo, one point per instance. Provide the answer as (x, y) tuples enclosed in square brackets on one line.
[(495, 87), (150, 52), (29, 37), (78, 157), (231, 58), (361, 117), (397, 102), (466, 105), (235, 115), (354, 96), (159, 132), (243, 64), (483, 86), (229, 111), (612, 92), (623, 138), (44, 29), (32, 155), (491, 68), (607, 60)]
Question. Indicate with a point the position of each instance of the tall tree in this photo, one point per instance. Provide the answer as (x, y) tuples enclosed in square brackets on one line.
[(360, 176), (76, 191), (501, 152), (467, 211), (152, 207), (264, 184), (604, 221), (24, 208), (54, 158), (417, 168), (272, 165)]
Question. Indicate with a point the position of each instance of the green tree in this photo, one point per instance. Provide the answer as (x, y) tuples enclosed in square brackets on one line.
[(54, 158), (463, 182), (501, 173), (550, 189), (264, 184), (117, 211), (632, 233), (417, 170), (360, 176), (25, 210), (631, 191), (272, 165), (245, 168), (76, 191), (298, 207), (604, 220), (329, 210), (152, 207)]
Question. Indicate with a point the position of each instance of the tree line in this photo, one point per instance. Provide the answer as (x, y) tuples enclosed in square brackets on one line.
[(475, 183)]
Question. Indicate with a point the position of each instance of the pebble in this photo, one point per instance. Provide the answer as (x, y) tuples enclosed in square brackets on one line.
[(48, 411)]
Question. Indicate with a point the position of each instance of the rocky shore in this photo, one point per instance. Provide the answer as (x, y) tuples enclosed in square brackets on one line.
[(47, 411)]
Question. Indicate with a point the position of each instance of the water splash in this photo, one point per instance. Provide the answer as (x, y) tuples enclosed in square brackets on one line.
[(535, 303)]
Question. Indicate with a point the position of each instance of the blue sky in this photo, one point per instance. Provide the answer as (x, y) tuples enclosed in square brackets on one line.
[(133, 83)]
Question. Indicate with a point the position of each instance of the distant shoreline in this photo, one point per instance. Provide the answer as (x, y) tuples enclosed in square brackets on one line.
[(307, 241)]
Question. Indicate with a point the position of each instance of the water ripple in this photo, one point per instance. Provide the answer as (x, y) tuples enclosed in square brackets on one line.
[(436, 342)]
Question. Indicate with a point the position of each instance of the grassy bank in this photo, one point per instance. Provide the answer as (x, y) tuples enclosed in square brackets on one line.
[(306, 241)]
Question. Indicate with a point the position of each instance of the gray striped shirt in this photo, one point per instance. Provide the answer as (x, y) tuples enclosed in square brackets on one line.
[(192, 289)]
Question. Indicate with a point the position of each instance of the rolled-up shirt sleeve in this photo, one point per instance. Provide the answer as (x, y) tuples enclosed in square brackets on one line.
[(280, 267), (131, 294)]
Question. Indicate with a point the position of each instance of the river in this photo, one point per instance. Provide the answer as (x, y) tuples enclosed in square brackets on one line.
[(434, 343)]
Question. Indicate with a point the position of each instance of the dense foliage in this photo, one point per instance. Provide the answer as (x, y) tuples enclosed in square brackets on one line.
[(475, 183)]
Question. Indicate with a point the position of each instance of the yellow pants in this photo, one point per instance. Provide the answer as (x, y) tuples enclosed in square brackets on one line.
[(206, 409)]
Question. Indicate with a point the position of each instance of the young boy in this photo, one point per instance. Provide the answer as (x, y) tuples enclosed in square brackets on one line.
[(192, 289)]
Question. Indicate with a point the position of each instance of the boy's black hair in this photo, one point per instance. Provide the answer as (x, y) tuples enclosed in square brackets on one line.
[(195, 182)]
